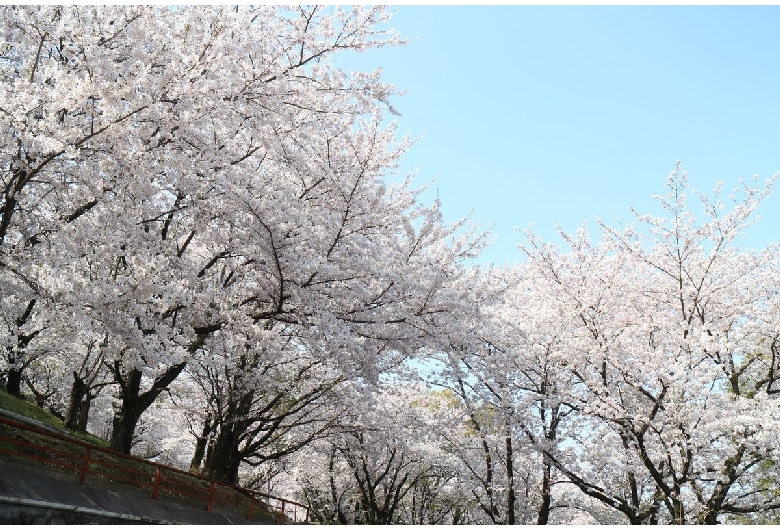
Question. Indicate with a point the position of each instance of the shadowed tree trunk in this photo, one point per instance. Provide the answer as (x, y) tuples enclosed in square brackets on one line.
[(550, 436), (510, 479), (83, 389), (249, 421), (200, 444), (546, 501), (246, 432), (134, 403), (81, 396), (13, 384), (225, 457), (14, 377), (78, 392), (84, 412)]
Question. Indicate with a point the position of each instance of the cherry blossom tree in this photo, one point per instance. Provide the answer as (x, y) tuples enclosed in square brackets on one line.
[(195, 203), (612, 363), (669, 371), (219, 188), (389, 465), (507, 375)]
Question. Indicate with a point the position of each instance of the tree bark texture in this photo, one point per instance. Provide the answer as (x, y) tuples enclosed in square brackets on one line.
[(78, 393), (134, 403), (13, 383)]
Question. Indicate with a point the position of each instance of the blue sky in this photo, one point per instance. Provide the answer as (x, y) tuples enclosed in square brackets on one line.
[(559, 114)]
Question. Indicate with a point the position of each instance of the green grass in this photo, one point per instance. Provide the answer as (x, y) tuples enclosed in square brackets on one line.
[(31, 410)]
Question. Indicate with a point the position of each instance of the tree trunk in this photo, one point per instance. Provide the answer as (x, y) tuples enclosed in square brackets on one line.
[(225, 458), (544, 507), (342, 517), (134, 402), (13, 383), (78, 391), (125, 421), (550, 435), (128, 413), (510, 481), (14, 380), (84, 413), (200, 445), (491, 510)]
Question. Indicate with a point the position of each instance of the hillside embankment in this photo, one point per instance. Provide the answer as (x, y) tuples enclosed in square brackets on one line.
[(36, 494)]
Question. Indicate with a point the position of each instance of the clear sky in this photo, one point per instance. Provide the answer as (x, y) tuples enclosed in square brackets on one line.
[(559, 114)]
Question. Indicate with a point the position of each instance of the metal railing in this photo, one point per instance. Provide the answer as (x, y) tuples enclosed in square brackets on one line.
[(84, 459)]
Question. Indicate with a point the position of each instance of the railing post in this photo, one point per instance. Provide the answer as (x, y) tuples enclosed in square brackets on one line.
[(210, 505), (295, 513), (281, 514), (156, 489), (251, 506), (84, 468)]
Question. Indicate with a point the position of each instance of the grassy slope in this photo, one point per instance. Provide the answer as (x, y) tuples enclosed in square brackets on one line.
[(32, 411)]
